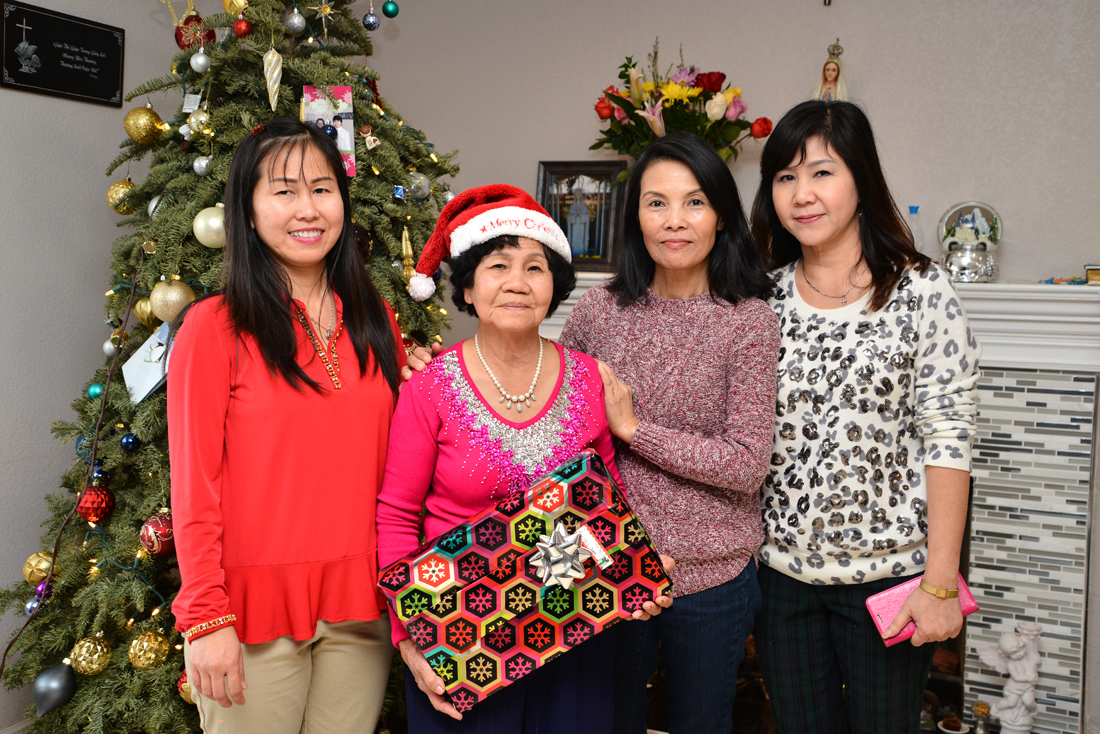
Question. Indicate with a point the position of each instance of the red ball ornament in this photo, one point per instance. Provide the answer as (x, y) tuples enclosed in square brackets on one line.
[(96, 504), (156, 534), (241, 28), (192, 32)]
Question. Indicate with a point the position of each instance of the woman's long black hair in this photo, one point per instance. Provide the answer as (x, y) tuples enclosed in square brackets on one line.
[(884, 237), (256, 288), (735, 269)]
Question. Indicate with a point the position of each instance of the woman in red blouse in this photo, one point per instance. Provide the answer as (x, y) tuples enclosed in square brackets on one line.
[(281, 387)]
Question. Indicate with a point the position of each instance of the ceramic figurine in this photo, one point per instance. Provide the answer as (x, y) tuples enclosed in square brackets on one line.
[(1018, 656), (831, 87)]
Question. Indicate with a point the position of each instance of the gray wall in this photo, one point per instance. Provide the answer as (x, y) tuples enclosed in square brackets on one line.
[(995, 100)]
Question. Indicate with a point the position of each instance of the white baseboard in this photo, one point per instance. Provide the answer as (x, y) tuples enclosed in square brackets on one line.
[(15, 728)]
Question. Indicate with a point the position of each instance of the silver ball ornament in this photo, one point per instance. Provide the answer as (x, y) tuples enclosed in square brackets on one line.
[(295, 21), (109, 349), (202, 165), (448, 196), (153, 204), (209, 226), (421, 187), (200, 62), (30, 606), (371, 21)]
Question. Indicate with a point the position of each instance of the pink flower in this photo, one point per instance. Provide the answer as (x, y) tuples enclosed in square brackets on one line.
[(685, 77), (736, 109), (654, 115), (620, 113)]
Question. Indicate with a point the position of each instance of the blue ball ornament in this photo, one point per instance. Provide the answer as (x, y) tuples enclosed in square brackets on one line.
[(371, 22), (330, 130), (95, 390), (130, 443), (390, 9), (437, 274), (100, 475), (30, 606), (83, 446)]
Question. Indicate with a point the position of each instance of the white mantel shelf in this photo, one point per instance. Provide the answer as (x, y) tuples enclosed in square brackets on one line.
[(1021, 325), (1034, 326)]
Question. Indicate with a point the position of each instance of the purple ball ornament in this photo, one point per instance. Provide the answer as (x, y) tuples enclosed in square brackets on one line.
[(44, 590), (371, 21)]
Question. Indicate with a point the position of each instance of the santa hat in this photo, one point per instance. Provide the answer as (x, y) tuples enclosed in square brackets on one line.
[(476, 216)]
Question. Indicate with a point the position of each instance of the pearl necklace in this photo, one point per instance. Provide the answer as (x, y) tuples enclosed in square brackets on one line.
[(844, 297), (519, 401)]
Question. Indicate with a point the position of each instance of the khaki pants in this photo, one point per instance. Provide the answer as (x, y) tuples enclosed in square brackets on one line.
[(332, 683)]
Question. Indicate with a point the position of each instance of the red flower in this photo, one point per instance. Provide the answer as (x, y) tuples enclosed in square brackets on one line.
[(604, 110), (711, 81), (612, 89), (761, 127)]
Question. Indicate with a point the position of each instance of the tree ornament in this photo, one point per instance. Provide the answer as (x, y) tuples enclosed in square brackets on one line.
[(44, 590), (390, 9), (169, 298), (399, 192), (371, 21), (143, 309), (209, 226), (294, 21), (148, 650), (192, 32), (100, 475), (201, 165), (119, 337), (31, 606), (97, 503), (184, 687), (273, 72), (363, 241), (448, 195), (109, 349), (36, 568), (200, 62), (185, 131), (130, 443), (116, 193), (241, 27), (95, 390), (153, 204), (234, 7), (53, 688), (156, 534), (91, 655), (421, 187), (330, 130), (324, 12), (198, 120), (143, 125)]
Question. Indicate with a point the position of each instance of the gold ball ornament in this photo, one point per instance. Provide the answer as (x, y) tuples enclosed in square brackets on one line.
[(169, 298), (198, 121), (115, 194), (234, 7), (184, 687), (148, 650), (36, 568), (209, 226), (143, 124), (143, 309), (91, 655)]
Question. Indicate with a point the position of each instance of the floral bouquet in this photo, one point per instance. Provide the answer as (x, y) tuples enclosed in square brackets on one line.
[(684, 99)]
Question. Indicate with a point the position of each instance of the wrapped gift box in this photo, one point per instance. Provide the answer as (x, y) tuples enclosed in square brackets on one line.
[(474, 599)]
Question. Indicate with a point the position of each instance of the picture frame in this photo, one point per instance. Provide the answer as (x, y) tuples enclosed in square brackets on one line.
[(586, 199)]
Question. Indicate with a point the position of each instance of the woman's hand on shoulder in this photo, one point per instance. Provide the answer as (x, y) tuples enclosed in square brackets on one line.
[(418, 359), (215, 662), (655, 607), (618, 403), (936, 619), (426, 679)]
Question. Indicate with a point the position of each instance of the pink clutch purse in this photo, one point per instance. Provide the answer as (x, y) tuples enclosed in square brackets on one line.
[(885, 605)]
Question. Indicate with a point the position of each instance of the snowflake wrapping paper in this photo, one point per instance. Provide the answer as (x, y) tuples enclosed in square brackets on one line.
[(476, 606)]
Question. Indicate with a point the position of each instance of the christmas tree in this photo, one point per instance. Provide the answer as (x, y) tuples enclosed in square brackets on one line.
[(100, 644)]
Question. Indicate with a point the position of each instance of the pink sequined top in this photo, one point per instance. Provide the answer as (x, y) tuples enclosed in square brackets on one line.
[(452, 455)]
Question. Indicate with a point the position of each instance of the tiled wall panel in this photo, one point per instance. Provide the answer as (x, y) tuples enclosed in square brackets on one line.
[(1029, 531)]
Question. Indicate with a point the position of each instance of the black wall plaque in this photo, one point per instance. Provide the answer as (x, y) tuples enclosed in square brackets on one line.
[(53, 53)]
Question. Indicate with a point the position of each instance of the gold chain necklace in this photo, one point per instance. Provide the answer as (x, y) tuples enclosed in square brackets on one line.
[(843, 298), (331, 366)]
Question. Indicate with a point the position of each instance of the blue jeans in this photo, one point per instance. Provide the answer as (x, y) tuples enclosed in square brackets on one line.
[(702, 638)]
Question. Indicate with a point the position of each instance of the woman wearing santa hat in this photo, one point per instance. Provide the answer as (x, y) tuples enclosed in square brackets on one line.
[(485, 419)]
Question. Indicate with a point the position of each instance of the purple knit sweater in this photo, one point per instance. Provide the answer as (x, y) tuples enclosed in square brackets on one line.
[(703, 375)]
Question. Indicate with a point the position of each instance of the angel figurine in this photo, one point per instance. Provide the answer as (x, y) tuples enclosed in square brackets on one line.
[(1018, 656), (831, 87)]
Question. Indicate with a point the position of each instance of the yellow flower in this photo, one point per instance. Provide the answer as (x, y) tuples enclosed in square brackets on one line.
[(648, 87), (732, 92), (673, 92)]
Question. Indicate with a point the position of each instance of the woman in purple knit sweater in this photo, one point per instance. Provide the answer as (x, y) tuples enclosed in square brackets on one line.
[(688, 355)]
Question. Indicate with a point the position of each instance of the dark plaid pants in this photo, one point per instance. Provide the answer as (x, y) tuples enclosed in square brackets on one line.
[(822, 659)]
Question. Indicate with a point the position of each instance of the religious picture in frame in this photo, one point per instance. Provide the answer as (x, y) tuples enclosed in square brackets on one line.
[(585, 198)]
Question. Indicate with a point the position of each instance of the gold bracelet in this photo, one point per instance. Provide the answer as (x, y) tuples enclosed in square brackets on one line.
[(937, 591), (198, 629)]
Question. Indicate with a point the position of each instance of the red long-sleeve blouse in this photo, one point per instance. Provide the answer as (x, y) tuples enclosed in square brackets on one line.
[(273, 488)]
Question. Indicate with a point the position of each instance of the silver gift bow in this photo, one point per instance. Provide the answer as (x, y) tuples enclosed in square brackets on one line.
[(560, 557)]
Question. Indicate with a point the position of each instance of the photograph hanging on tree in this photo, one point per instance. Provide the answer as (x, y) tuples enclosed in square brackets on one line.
[(336, 118)]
